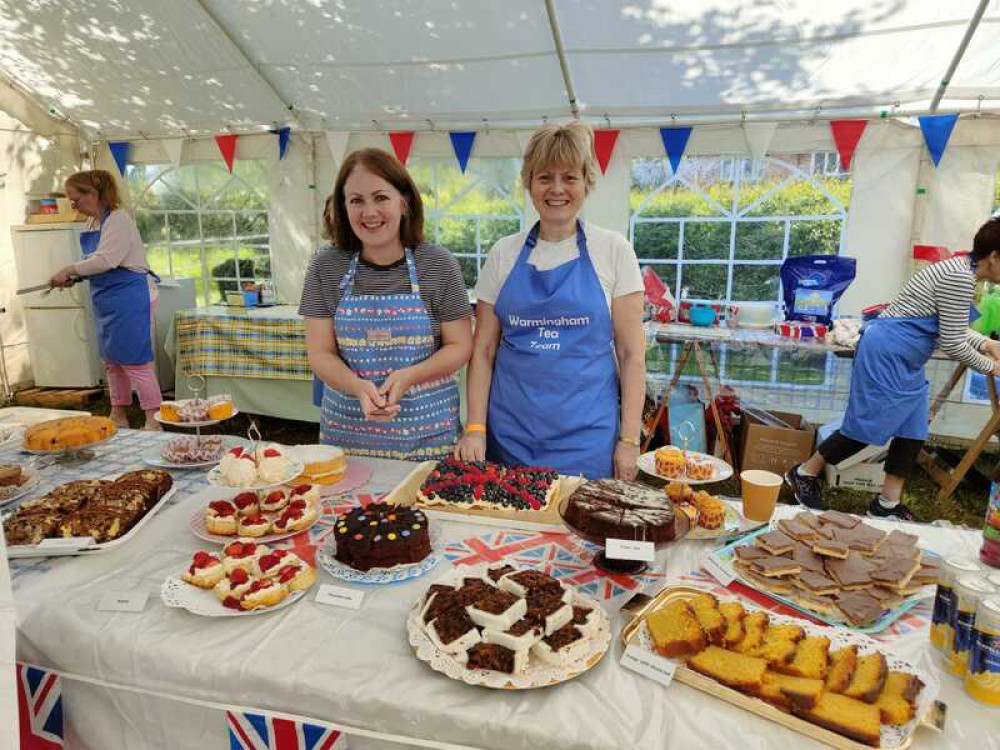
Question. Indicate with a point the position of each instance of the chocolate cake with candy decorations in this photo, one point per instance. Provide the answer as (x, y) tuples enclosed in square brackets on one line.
[(381, 535)]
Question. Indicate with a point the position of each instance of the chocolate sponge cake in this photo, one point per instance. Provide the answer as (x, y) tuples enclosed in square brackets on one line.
[(619, 509), (381, 535)]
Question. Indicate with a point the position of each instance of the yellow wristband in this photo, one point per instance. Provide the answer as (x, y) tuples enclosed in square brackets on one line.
[(628, 441), (473, 427)]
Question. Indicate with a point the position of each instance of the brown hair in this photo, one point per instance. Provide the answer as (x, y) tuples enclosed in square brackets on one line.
[(97, 181), (569, 145), (336, 224), (987, 239)]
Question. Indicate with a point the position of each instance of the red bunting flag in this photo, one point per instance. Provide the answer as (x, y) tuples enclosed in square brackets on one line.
[(604, 146), (846, 134), (401, 141), (227, 147)]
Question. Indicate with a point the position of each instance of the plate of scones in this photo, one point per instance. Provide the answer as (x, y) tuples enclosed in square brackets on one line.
[(507, 628), (263, 515)]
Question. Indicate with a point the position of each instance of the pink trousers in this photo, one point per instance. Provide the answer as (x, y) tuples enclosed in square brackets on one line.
[(123, 378)]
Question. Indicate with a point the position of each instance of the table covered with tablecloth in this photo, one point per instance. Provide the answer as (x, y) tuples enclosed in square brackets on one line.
[(161, 678)]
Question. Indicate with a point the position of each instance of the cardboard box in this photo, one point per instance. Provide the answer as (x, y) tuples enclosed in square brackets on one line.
[(865, 476), (775, 449)]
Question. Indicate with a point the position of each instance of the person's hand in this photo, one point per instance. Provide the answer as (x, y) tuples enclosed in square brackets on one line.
[(396, 385), (373, 404), (626, 456), (992, 350), (62, 278), (471, 447)]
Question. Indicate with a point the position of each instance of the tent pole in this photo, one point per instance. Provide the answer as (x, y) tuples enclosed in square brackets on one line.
[(250, 61), (959, 53), (550, 10)]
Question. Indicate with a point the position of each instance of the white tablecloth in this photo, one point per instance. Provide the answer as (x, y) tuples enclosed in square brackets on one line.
[(356, 667)]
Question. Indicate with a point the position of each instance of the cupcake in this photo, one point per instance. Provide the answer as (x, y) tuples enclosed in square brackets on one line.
[(220, 407), (699, 468), (669, 462), (170, 411)]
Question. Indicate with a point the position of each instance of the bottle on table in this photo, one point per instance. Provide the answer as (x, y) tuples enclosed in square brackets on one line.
[(969, 591), (982, 680), (944, 598)]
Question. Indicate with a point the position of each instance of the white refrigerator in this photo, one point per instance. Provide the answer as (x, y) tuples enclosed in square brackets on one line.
[(62, 338)]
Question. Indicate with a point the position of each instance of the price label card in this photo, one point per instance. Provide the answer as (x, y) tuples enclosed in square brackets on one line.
[(717, 571), (625, 549), (649, 665), (67, 542), (338, 596), (123, 601)]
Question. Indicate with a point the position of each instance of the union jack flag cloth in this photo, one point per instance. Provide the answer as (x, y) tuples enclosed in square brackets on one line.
[(249, 731), (39, 708)]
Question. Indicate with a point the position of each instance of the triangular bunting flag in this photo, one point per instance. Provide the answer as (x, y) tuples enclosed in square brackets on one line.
[(523, 138), (284, 134), (604, 146), (758, 136), (39, 708), (846, 134), (337, 141), (119, 150), (937, 130), (461, 142), (173, 147), (674, 142), (227, 147), (401, 141)]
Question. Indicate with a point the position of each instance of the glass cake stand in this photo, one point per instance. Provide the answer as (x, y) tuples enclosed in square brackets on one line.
[(623, 567)]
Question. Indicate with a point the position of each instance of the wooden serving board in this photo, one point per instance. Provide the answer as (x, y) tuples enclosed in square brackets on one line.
[(547, 520)]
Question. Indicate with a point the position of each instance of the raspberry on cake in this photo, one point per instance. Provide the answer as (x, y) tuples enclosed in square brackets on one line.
[(247, 503), (486, 484), (205, 570), (253, 526), (236, 584), (220, 518), (274, 500), (264, 592)]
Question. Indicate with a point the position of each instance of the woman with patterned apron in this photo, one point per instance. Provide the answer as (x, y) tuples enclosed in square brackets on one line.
[(554, 328), (889, 398), (121, 293), (400, 319)]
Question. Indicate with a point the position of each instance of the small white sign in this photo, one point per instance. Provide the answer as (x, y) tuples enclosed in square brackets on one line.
[(649, 665), (625, 549), (123, 601), (67, 542), (717, 571), (338, 596)]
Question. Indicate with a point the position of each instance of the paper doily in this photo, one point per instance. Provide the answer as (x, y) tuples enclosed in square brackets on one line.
[(891, 736), (176, 593), (538, 674)]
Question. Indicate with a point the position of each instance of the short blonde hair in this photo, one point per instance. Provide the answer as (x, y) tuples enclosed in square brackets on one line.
[(569, 145), (97, 181)]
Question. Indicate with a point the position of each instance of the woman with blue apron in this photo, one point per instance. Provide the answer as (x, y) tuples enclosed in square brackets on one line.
[(385, 360), (889, 397), (557, 377), (114, 262)]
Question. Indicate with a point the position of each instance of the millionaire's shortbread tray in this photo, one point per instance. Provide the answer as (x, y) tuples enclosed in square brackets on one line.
[(831, 678), (836, 566)]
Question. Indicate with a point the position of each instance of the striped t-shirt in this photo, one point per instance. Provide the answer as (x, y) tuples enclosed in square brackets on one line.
[(441, 285), (945, 290)]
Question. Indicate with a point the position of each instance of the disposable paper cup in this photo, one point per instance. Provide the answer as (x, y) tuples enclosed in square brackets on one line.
[(760, 494)]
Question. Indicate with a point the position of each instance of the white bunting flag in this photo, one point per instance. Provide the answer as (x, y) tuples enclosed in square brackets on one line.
[(758, 136), (173, 147), (337, 141)]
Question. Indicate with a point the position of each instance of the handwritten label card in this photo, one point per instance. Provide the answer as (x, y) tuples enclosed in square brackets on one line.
[(338, 596), (625, 549), (123, 601), (648, 664)]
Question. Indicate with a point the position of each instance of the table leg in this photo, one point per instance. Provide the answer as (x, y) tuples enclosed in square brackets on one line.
[(941, 475), (946, 391), (711, 402), (956, 476), (665, 397)]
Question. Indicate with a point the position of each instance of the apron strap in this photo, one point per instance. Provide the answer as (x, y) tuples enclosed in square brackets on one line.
[(532, 240), (411, 269), (347, 283)]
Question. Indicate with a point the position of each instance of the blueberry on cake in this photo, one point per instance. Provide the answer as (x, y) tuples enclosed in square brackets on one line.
[(485, 484)]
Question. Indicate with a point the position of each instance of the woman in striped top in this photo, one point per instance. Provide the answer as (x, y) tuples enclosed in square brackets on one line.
[(889, 391)]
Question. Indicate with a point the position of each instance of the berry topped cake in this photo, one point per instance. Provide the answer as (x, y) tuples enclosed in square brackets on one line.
[(381, 535), (486, 484)]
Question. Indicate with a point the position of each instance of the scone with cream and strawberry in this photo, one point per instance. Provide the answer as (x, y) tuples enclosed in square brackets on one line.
[(205, 570), (236, 584), (221, 518), (243, 554), (263, 592)]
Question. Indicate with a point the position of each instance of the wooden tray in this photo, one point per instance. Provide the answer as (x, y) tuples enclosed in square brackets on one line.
[(547, 520), (934, 716)]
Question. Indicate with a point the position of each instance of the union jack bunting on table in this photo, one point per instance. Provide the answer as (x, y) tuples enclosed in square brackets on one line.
[(39, 708), (249, 731), (562, 556)]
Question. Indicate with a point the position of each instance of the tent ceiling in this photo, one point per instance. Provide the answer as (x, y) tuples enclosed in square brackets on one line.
[(124, 66)]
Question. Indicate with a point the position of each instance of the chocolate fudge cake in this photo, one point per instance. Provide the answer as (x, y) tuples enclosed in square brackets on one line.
[(620, 509), (381, 535), (473, 484)]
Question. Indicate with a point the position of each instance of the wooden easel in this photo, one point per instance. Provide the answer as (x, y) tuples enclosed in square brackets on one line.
[(949, 479), (688, 348)]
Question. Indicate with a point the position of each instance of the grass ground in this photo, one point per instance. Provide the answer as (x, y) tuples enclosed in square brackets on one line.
[(966, 507)]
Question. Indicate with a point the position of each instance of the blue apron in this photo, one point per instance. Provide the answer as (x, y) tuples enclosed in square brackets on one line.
[(120, 299), (554, 397), (889, 390), (376, 335)]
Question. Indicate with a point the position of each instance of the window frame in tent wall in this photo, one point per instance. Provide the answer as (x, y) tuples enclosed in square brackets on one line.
[(431, 174), (202, 202), (696, 178)]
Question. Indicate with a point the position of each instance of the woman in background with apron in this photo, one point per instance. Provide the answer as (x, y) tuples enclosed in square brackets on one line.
[(558, 371), (122, 290), (889, 398), (387, 318)]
